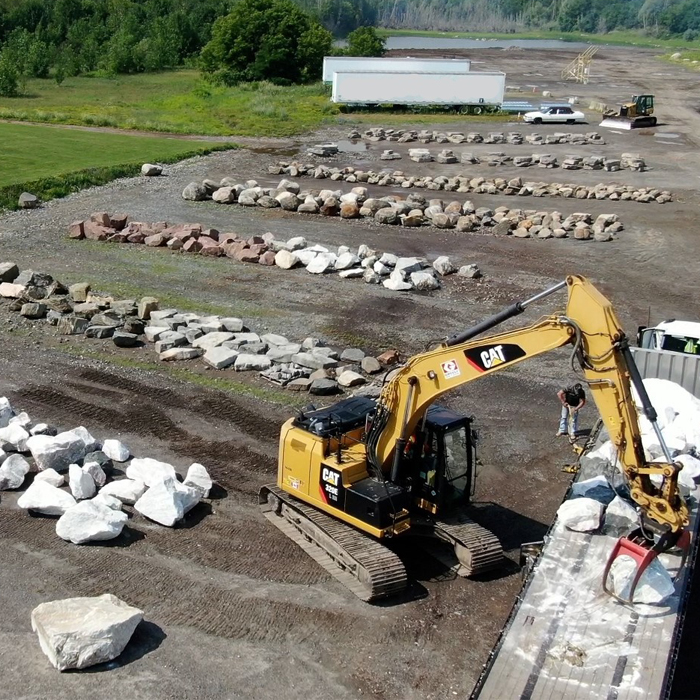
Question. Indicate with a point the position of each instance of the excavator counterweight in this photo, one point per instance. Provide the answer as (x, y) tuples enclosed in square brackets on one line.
[(358, 473)]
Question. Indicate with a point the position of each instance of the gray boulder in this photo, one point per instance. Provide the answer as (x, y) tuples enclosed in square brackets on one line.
[(82, 632), (194, 192)]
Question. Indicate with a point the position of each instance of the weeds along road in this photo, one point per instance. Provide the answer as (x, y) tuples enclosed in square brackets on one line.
[(234, 609)]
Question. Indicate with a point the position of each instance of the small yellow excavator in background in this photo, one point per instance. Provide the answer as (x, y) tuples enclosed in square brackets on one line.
[(633, 115), (361, 471)]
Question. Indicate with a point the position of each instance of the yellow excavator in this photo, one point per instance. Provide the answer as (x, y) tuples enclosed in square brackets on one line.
[(632, 115), (361, 471)]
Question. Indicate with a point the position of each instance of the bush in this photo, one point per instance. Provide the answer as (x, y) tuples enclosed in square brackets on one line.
[(365, 41), (691, 34), (9, 77), (265, 40)]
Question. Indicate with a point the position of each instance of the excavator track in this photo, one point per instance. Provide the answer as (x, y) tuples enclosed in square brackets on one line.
[(477, 549), (362, 564)]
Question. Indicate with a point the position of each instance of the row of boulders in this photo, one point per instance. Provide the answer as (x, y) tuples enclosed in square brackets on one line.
[(478, 185), (629, 161), (598, 506), (415, 211), (221, 342), (366, 263), (515, 138), (71, 477)]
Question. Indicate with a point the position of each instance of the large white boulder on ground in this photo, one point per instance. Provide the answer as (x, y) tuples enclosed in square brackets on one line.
[(12, 472), (82, 485), (106, 500), (654, 587), (46, 499), (149, 471), (90, 521), (116, 450), (580, 514), (50, 476), (14, 438), (126, 490), (167, 502), (88, 440), (198, 478), (82, 632), (56, 452)]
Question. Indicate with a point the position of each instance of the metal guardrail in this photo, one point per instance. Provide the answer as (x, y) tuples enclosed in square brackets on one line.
[(674, 366)]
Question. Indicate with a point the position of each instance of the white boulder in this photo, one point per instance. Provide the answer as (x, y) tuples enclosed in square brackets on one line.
[(94, 469), (167, 502), (81, 632), (247, 361), (6, 412), (81, 484), (397, 283), (21, 419), (424, 281), (50, 476), (106, 500), (198, 478), (286, 259), (150, 471), (56, 452), (12, 472), (88, 440), (90, 521), (654, 587), (443, 266), (126, 490), (46, 499), (688, 474), (323, 262), (43, 429), (116, 450), (581, 514), (14, 438), (620, 517)]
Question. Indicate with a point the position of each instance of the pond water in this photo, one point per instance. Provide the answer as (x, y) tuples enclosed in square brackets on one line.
[(406, 43)]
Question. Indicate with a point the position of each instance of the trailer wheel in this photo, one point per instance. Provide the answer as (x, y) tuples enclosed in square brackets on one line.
[(477, 110)]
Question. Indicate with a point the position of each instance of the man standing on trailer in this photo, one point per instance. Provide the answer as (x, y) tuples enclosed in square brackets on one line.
[(573, 399)]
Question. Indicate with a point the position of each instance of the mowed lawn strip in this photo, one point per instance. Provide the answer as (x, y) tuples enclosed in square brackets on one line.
[(31, 153)]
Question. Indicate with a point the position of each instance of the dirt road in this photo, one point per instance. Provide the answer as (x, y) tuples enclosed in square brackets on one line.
[(234, 610)]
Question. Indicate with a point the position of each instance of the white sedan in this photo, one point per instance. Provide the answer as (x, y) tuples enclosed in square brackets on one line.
[(555, 114)]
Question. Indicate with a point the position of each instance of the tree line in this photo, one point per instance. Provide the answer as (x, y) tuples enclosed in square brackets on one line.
[(283, 40)]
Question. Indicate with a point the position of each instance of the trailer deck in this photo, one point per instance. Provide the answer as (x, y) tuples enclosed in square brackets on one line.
[(566, 638)]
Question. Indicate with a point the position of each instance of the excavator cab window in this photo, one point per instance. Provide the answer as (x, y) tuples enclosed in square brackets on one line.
[(442, 458)]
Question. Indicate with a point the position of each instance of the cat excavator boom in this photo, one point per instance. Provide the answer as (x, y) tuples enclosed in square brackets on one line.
[(354, 474)]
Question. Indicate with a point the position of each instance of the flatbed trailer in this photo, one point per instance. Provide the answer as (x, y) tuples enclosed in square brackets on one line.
[(566, 639)]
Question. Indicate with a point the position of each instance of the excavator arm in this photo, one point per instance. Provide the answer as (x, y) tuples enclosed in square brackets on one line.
[(600, 349)]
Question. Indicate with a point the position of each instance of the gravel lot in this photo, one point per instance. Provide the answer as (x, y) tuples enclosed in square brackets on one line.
[(234, 609)]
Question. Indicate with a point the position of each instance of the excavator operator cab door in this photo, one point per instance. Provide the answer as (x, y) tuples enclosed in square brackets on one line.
[(442, 461)]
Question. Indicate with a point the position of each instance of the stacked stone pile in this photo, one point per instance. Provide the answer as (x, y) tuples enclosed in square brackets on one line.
[(377, 134), (415, 210), (221, 343), (480, 185), (263, 250), (73, 477)]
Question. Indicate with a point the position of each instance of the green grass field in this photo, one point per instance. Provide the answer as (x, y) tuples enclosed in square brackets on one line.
[(34, 152), (177, 102), (53, 162)]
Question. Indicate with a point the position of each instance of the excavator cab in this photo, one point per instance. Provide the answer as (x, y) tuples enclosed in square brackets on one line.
[(440, 461)]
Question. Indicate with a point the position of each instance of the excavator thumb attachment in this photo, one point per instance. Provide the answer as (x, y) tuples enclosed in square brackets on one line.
[(637, 548)]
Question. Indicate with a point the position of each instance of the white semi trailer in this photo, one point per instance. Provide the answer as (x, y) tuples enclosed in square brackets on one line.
[(332, 64), (472, 90)]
